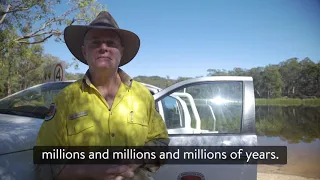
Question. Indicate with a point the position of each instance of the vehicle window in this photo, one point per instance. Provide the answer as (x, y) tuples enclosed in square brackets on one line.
[(214, 107), (32, 102), (172, 111)]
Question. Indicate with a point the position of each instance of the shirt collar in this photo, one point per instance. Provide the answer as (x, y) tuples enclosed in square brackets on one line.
[(125, 78)]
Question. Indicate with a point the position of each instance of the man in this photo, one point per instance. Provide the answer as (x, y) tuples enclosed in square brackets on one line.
[(105, 108)]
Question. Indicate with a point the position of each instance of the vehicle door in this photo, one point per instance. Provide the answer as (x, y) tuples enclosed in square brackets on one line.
[(209, 111)]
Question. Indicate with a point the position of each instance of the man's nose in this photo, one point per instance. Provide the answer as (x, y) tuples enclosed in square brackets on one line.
[(104, 47)]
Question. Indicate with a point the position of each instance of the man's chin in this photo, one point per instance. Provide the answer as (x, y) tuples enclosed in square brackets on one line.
[(105, 67)]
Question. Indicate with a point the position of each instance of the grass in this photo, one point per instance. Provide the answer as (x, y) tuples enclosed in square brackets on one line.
[(288, 102)]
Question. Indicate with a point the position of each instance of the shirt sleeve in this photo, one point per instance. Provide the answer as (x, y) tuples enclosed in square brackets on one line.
[(53, 133), (157, 135)]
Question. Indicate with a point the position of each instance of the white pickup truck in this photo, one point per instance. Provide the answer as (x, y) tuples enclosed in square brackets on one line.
[(208, 111)]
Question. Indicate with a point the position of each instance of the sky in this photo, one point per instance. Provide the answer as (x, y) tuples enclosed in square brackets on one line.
[(186, 38)]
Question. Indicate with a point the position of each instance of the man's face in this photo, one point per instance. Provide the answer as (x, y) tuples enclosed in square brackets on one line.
[(102, 49)]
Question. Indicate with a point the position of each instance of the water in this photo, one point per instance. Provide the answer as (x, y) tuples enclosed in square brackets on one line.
[(298, 128)]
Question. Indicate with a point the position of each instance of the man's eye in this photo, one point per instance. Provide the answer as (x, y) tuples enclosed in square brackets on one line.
[(110, 43), (96, 42)]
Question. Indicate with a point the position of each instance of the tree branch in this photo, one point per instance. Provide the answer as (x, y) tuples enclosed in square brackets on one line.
[(17, 4), (36, 42), (42, 28), (4, 15), (14, 8), (45, 25)]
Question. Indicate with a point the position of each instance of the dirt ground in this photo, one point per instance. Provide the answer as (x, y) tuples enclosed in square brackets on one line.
[(269, 176), (303, 162), (289, 171)]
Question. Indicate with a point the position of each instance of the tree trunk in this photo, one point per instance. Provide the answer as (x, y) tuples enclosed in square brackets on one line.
[(293, 90), (8, 84)]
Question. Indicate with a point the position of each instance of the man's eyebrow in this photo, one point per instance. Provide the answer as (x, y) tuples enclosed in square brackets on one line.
[(95, 37)]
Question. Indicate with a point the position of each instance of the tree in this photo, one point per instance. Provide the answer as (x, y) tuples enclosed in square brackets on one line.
[(179, 79), (158, 81), (71, 76), (289, 71), (217, 72), (24, 25), (289, 78), (308, 79), (38, 20), (256, 74), (22, 65), (271, 79)]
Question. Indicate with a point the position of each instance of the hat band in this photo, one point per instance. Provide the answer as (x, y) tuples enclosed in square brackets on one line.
[(102, 24), (98, 24)]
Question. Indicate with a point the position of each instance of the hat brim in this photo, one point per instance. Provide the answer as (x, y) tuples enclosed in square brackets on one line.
[(74, 35)]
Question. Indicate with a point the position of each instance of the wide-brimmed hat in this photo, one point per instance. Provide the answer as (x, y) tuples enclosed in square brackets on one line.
[(74, 36)]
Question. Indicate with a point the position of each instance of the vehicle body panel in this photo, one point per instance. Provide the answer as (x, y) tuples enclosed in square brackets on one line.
[(17, 133), (17, 136)]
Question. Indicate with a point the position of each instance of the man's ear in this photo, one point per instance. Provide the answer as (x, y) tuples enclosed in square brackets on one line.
[(122, 50), (83, 50)]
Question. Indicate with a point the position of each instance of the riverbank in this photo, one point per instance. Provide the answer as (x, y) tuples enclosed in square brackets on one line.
[(294, 171), (303, 159), (287, 102), (270, 176)]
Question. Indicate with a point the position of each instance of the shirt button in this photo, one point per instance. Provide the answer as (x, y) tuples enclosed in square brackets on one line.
[(112, 134)]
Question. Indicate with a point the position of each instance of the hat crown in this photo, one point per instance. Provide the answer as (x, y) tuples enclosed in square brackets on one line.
[(104, 18)]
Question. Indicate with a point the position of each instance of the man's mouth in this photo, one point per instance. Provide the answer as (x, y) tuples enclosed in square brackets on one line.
[(104, 57)]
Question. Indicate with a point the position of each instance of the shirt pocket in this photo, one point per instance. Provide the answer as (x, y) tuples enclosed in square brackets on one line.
[(79, 123), (137, 128), (137, 118)]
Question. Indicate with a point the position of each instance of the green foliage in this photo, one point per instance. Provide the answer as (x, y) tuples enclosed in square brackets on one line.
[(24, 25), (159, 81), (38, 20), (155, 80), (71, 76), (22, 65), (271, 79), (288, 102), (289, 78)]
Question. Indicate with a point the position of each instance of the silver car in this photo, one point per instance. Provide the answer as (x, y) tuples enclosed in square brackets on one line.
[(208, 111)]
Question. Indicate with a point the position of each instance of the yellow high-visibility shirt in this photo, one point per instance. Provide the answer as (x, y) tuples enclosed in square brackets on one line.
[(80, 116)]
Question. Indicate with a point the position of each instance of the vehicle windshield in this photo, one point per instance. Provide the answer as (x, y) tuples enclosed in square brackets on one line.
[(32, 102)]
